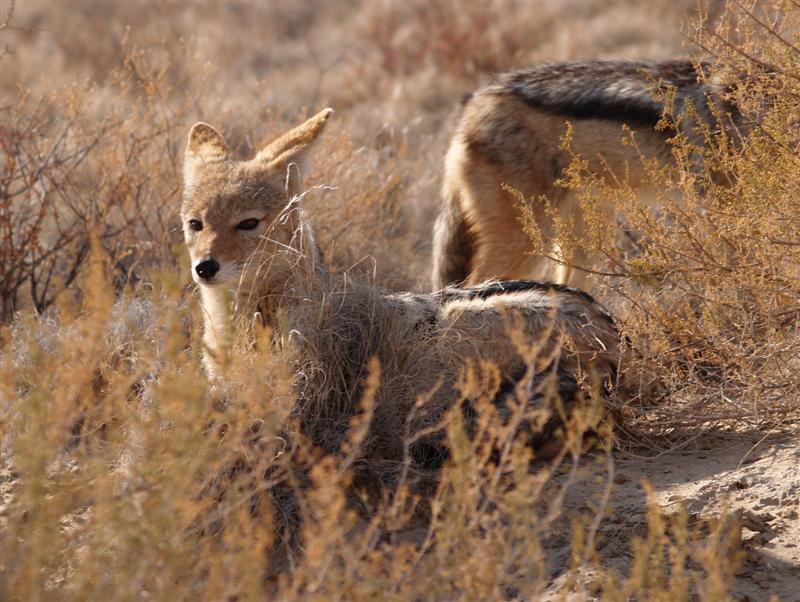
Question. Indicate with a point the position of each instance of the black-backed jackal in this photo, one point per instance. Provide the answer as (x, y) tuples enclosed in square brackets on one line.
[(512, 358), (253, 253), (509, 135)]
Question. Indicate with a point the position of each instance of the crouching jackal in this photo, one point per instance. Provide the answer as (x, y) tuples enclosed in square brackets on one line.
[(534, 347), (253, 253), (510, 135)]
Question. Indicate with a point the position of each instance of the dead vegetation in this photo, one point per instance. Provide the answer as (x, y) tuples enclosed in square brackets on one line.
[(126, 475)]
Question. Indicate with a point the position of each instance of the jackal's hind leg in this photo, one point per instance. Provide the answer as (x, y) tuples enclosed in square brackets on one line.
[(453, 245)]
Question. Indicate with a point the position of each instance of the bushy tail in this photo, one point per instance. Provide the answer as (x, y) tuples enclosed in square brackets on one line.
[(453, 244)]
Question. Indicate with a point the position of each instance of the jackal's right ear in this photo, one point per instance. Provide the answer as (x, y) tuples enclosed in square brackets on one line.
[(285, 155), (295, 140), (205, 145)]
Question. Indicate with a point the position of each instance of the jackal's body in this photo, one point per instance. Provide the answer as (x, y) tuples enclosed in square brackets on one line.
[(510, 133), (523, 349)]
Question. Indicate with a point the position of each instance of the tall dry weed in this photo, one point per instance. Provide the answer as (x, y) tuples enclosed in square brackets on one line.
[(67, 172), (127, 476)]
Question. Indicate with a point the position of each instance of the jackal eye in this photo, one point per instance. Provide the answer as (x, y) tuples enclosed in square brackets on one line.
[(248, 224), (196, 225)]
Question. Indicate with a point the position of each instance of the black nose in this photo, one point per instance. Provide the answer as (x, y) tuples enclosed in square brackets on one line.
[(206, 269)]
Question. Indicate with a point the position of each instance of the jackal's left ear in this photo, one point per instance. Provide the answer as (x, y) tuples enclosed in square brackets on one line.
[(205, 145), (287, 152)]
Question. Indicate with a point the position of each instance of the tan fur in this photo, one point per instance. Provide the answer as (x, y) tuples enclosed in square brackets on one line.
[(510, 134), (220, 192), (502, 248), (297, 138)]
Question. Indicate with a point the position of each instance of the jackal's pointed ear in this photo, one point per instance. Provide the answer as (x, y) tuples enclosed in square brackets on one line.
[(295, 139), (287, 152), (205, 145)]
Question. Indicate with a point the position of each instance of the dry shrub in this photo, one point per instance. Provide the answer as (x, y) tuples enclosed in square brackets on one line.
[(433, 34), (679, 557), (363, 214), (708, 280), (67, 172), (127, 475)]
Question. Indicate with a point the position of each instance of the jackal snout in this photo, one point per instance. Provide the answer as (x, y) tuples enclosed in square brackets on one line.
[(218, 248)]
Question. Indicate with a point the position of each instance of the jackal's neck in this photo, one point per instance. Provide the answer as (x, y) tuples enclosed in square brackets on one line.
[(217, 332)]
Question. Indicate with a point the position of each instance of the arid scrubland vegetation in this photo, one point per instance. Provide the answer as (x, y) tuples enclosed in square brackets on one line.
[(127, 475)]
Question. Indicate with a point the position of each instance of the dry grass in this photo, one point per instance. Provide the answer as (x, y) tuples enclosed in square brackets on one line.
[(126, 475)]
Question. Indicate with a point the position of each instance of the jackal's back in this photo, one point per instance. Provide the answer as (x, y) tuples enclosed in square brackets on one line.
[(510, 134)]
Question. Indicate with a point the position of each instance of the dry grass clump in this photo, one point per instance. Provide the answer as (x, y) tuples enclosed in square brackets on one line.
[(709, 273), (126, 475)]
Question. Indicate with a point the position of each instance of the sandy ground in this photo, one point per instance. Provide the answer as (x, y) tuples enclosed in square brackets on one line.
[(754, 476)]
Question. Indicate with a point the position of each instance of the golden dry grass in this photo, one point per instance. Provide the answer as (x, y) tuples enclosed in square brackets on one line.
[(126, 475)]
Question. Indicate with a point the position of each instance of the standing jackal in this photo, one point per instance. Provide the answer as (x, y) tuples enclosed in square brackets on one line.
[(510, 135), (253, 253)]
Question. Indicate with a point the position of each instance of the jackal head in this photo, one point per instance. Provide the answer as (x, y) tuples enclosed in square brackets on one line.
[(237, 217)]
